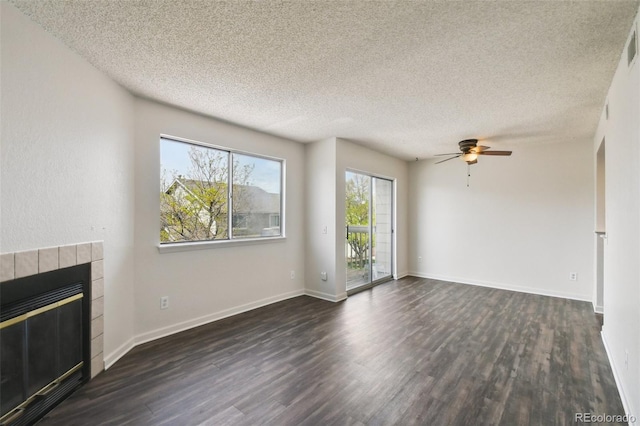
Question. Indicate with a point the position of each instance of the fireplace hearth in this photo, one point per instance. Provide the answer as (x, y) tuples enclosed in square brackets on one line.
[(45, 341)]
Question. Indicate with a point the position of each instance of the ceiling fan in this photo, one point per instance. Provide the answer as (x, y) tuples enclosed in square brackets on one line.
[(469, 151)]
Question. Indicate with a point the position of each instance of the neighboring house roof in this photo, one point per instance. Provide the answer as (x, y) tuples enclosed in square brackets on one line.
[(181, 183), (261, 200)]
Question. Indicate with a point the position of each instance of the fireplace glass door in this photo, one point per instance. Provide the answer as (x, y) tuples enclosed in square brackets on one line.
[(39, 348)]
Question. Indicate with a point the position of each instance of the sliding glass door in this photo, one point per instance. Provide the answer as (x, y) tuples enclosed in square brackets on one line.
[(382, 230), (369, 219), (358, 213)]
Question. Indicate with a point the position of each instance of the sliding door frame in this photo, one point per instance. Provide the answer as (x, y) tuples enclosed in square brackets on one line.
[(392, 198)]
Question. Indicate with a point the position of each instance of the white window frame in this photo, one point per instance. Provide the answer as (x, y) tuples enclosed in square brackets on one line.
[(170, 247)]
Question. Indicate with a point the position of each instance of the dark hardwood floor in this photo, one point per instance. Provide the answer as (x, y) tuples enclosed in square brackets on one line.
[(412, 351)]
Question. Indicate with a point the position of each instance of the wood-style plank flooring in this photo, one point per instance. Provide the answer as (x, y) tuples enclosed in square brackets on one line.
[(412, 351)]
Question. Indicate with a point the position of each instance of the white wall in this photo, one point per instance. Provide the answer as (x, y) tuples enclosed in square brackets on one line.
[(78, 147), (621, 330), (204, 285), (600, 212), (524, 223), (66, 159), (326, 164), (320, 184)]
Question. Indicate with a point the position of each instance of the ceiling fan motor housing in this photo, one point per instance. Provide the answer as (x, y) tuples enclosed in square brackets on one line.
[(467, 144)]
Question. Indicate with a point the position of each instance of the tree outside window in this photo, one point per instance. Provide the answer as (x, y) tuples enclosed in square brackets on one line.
[(196, 194)]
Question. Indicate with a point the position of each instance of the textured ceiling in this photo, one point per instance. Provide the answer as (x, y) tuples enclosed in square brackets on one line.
[(407, 78)]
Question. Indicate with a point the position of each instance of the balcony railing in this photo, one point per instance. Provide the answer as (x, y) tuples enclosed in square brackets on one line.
[(357, 246), (357, 254)]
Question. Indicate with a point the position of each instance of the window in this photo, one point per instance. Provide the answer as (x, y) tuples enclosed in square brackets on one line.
[(200, 185)]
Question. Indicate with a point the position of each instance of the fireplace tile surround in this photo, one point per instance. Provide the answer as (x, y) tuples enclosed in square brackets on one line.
[(25, 263)]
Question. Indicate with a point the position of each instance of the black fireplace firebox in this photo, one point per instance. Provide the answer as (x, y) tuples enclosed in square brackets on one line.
[(45, 341)]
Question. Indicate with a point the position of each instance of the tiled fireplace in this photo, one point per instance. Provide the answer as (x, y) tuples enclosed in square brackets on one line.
[(41, 294)]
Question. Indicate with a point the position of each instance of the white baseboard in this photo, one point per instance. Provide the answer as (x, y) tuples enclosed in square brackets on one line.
[(598, 309), (121, 351), (616, 376), (205, 319), (400, 276), (502, 286), (159, 333), (139, 339), (326, 296)]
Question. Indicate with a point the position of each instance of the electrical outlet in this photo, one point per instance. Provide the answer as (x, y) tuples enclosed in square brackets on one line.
[(164, 302), (419, 259), (573, 276), (293, 275), (323, 276)]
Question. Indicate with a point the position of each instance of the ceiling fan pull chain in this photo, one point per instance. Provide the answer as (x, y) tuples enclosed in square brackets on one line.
[(468, 173)]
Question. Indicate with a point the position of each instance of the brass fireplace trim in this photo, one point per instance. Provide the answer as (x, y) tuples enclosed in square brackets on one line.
[(20, 409), (24, 317)]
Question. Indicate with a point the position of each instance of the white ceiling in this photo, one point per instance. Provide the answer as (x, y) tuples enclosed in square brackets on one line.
[(406, 78)]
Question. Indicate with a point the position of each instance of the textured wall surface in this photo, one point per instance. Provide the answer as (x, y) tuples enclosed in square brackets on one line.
[(406, 78), (320, 175), (79, 155), (622, 224), (66, 160), (204, 285), (524, 223)]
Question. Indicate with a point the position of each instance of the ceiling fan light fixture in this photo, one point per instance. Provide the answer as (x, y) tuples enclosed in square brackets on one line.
[(469, 157)]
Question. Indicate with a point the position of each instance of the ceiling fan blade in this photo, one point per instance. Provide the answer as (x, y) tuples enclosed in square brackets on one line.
[(447, 159), (479, 148), (451, 153), (494, 153)]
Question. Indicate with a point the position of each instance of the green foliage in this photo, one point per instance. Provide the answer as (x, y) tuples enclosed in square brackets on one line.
[(357, 200), (357, 215), (196, 208)]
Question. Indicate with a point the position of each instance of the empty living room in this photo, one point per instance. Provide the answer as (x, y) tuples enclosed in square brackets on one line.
[(319, 212)]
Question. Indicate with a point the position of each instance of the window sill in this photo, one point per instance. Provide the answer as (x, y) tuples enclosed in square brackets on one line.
[(204, 245)]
